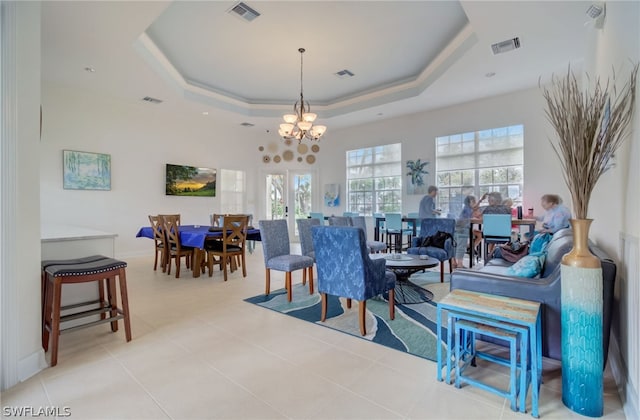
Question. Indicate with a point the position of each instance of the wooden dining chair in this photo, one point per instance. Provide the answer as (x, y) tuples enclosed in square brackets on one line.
[(174, 249), (232, 245), (160, 242)]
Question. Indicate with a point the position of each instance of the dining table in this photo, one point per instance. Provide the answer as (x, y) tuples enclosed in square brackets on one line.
[(196, 235), (514, 222)]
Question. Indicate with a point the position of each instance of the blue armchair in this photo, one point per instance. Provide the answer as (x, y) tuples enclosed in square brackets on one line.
[(430, 227), (274, 236), (345, 269)]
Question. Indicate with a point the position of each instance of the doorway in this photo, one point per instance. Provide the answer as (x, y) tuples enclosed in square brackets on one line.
[(289, 196)]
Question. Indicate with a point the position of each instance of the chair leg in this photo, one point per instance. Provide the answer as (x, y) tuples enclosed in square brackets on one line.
[(224, 264), (267, 281), (362, 310), (287, 283), (55, 320), (450, 265), (441, 271), (113, 301), (323, 315), (311, 280), (348, 303), (124, 297), (48, 307), (304, 277), (392, 304)]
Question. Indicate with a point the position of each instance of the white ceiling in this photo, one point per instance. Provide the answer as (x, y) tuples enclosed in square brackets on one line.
[(406, 56)]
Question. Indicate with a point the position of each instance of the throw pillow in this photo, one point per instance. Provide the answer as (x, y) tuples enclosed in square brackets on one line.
[(528, 266), (539, 243)]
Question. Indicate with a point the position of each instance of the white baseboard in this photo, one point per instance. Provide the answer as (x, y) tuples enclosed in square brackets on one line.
[(31, 365), (626, 391)]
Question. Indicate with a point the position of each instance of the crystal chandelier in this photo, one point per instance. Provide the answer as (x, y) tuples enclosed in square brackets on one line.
[(299, 125)]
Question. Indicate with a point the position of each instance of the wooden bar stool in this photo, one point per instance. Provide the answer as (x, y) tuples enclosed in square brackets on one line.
[(102, 270)]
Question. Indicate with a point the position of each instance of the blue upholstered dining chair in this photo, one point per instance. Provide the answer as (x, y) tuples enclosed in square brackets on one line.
[(430, 227), (304, 232), (339, 221), (374, 246), (345, 269), (274, 236)]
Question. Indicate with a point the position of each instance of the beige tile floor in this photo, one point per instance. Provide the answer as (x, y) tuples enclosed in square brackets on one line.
[(199, 351)]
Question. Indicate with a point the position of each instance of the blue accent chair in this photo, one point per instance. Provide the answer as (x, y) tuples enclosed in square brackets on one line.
[(274, 235), (374, 246), (345, 269), (304, 231), (430, 227)]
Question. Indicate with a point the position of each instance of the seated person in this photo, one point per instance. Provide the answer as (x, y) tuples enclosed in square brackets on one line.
[(556, 215), (470, 210), (495, 204)]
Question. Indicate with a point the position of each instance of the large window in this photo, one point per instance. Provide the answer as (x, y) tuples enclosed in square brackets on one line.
[(374, 179), (479, 162), (232, 191)]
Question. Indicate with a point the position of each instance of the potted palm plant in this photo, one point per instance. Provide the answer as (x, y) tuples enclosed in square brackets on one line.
[(590, 127)]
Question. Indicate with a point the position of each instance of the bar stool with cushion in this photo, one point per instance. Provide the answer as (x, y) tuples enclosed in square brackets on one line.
[(96, 269)]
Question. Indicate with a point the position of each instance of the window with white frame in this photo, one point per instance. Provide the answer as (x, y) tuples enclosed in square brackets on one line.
[(232, 191), (374, 179), (479, 162)]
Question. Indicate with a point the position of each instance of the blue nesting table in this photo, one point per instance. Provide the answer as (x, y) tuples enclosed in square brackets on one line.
[(484, 313)]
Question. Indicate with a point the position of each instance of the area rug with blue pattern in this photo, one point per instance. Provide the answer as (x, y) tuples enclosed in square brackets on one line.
[(412, 331)]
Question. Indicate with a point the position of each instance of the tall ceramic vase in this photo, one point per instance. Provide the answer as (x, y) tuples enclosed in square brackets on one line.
[(582, 354)]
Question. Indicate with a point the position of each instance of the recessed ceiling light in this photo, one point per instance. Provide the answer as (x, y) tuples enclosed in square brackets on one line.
[(205, 112), (490, 74), (380, 114), (90, 69)]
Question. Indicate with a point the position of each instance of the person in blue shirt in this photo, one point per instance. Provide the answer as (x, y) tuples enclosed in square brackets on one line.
[(556, 215), (428, 205)]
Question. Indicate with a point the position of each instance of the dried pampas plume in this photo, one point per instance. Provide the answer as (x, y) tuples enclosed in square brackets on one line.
[(590, 127)]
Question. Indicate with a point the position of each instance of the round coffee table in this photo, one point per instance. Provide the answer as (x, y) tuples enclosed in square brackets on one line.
[(404, 265)]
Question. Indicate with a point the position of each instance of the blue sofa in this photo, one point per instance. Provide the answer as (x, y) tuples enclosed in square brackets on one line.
[(493, 278)]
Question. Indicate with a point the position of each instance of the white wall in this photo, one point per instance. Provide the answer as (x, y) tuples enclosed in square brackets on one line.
[(417, 133)]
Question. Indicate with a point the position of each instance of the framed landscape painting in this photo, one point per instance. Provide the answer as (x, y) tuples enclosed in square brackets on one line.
[(190, 181), (86, 170)]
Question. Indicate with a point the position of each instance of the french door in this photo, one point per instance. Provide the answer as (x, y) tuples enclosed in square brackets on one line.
[(289, 196)]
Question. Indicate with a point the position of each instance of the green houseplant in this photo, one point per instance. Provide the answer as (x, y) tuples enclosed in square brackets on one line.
[(590, 127)]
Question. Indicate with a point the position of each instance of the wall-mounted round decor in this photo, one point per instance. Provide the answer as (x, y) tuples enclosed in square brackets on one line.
[(276, 158), (303, 148), (272, 147), (288, 142), (266, 158), (299, 158), (261, 148), (287, 155), (315, 148), (311, 159)]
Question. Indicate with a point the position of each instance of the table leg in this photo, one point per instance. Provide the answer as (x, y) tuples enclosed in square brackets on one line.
[(197, 262), (438, 345)]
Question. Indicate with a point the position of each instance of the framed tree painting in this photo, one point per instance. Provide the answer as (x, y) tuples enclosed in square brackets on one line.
[(86, 170)]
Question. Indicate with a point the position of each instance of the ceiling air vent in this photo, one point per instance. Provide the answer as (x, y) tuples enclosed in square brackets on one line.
[(244, 12), (151, 100), (504, 46), (344, 74), (247, 124)]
